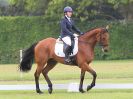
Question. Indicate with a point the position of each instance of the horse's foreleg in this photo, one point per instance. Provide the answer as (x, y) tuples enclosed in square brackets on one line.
[(93, 73), (37, 74), (81, 81), (50, 65)]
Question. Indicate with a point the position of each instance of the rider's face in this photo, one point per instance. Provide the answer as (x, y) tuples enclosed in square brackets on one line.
[(69, 14)]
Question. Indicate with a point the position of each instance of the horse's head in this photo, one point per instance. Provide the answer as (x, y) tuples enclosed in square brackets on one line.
[(99, 35), (103, 39)]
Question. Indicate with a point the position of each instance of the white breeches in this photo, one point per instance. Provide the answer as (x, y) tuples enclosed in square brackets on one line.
[(67, 40)]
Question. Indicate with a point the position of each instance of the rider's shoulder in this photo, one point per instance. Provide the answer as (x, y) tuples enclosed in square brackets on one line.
[(63, 19)]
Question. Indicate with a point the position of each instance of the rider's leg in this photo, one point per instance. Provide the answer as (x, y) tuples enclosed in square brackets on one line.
[(66, 51), (67, 41)]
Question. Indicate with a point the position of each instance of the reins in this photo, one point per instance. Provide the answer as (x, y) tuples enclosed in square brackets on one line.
[(100, 42)]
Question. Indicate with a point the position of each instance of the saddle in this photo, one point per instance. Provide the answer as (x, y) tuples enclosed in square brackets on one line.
[(70, 51), (59, 46)]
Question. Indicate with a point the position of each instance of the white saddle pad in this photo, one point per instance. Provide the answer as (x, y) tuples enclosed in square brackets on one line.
[(59, 48)]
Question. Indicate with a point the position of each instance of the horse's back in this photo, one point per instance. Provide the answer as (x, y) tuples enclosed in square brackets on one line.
[(46, 41), (45, 46), (50, 39)]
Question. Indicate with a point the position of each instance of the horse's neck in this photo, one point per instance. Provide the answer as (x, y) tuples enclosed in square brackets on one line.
[(90, 37)]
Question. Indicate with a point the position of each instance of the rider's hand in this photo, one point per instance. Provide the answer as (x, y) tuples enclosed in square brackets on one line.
[(76, 35), (81, 33), (73, 36)]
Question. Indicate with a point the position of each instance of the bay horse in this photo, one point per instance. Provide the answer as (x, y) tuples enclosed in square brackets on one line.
[(43, 53)]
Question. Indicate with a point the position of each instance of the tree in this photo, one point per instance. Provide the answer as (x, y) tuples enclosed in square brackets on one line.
[(124, 6), (83, 9), (36, 7), (28, 7)]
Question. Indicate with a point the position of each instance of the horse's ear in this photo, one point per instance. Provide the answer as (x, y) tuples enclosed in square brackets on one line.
[(107, 27)]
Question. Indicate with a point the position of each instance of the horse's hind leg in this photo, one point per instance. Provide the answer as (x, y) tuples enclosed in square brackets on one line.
[(37, 75), (50, 65)]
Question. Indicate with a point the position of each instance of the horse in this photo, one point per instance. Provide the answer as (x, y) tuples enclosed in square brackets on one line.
[(43, 54)]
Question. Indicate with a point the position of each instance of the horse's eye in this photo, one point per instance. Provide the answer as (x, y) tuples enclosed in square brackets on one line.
[(103, 38)]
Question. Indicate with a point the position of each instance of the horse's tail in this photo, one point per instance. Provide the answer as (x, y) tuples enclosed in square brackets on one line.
[(27, 59)]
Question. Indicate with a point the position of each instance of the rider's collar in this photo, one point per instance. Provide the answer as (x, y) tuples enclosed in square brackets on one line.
[(68, 17)]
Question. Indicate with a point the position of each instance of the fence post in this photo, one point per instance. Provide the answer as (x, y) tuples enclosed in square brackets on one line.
[(21, 55)]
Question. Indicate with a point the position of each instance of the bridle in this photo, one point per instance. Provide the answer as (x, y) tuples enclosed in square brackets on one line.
[(100, 41)]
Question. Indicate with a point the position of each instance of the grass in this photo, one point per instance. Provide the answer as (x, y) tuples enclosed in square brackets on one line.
[(108, 72), (63, 94)]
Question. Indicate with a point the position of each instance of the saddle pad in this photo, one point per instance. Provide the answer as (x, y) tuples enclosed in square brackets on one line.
[(59, 48)]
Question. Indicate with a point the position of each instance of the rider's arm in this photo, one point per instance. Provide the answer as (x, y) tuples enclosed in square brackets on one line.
[(76, 29), (64, 28)]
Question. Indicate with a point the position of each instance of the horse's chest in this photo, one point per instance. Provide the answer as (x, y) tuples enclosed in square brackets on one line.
[(86, 52), (89, 54)]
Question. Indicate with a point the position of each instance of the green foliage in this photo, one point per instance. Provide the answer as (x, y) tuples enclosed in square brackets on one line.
[(36, 6), (84, 10), (55, 8), (120, 1), (20, 32)]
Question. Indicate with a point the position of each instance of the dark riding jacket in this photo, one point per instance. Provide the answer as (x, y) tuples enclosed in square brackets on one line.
[(68, 27)]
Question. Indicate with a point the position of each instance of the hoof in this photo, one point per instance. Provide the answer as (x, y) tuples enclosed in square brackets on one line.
[(89, 87), (81, 90), (50, 90), (39, 92)]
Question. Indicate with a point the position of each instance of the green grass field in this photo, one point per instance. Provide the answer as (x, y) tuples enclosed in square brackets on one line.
[(108, 72), (62, 94)]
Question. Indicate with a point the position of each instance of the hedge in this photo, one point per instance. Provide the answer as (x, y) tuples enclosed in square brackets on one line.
[(20, 32)]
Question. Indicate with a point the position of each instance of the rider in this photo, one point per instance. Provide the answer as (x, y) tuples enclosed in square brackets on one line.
[(67, 28)]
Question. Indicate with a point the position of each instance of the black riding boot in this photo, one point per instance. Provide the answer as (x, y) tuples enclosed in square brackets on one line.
[(66, 51)]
